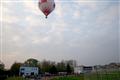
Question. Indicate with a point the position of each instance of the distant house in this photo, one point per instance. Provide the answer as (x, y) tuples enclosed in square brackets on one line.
[(82, 69), (28, 71)]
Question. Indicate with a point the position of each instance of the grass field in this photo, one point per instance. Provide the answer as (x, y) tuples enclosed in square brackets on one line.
[(69, 78), (115, 75), (15, 78), (93, 76)]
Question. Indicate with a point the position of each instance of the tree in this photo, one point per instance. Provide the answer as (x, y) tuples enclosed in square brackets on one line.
[(61, 66), (1, 66), (68, 69), (53, 70), (46, 65), (15, 68), (31, 62), (2, 72)]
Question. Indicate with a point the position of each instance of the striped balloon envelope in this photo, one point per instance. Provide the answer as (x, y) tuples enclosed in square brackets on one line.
[(46, 6)]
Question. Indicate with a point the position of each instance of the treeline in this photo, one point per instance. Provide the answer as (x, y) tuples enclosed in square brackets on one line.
[(44, 67)]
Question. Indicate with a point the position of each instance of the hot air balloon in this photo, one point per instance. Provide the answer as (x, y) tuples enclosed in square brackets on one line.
[(46, 6)]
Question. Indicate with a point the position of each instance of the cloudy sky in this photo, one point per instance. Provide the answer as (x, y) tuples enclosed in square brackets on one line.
[(84, 30)]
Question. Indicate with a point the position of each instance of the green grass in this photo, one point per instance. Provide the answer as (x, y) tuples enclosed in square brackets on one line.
[(15, 78), (92, 76), (69, 78), (103, 76)]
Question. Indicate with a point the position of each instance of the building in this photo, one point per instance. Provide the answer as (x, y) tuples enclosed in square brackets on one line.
[(78, 69), (28, 71), (83, 69), (72, 63)]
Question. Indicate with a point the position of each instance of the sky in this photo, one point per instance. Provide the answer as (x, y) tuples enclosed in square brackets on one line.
[(83, 30)]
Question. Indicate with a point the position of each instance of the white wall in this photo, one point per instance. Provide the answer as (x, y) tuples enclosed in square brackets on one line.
[(29, 70), (78, 69)]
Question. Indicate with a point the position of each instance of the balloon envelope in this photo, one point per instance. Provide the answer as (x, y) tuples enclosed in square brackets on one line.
[(46, 6)]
